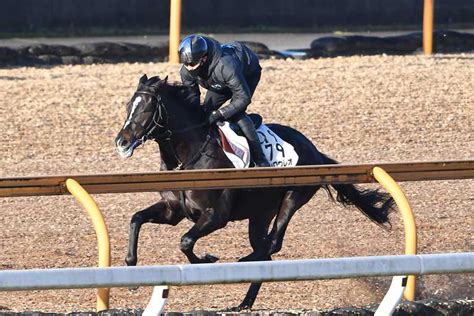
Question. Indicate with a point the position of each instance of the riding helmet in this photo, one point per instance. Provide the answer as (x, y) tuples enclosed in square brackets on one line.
[(192, 49)]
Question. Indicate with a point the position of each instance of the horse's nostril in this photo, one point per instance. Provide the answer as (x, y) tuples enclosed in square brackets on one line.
[(122, 142)]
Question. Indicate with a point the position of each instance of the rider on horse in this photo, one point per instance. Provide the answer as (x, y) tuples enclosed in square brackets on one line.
[(229, 71)]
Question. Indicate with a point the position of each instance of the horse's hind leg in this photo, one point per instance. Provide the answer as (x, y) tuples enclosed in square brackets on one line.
[(292, 201), (209, 221), (159, 213), (258, 229), (249, 298), (265, 245)]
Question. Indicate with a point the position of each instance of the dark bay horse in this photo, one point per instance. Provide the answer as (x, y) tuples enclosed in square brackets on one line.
[(160, 111)]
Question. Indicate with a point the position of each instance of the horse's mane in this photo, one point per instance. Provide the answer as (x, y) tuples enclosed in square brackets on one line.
[(175, 89)]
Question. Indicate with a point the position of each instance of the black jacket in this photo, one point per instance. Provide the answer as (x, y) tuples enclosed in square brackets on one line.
[(227, 68)]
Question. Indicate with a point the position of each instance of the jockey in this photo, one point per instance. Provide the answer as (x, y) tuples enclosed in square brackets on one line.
[(230, 71)]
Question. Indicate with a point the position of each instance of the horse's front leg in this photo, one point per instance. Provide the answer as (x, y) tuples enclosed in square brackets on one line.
[(209, 221), (160, 213)]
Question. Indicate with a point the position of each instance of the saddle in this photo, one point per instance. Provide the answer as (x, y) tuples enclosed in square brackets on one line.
[(278, 152)]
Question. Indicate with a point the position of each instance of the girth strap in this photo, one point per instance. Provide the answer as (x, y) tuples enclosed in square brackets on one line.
[(182, 201)]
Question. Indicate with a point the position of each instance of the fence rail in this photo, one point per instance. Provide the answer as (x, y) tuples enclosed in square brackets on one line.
[(236, 178), (240, 272)]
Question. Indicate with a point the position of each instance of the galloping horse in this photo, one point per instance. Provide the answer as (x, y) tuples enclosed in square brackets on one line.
[(162, 112)]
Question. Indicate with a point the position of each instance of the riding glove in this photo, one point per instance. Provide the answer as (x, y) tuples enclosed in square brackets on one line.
[(214, 117)]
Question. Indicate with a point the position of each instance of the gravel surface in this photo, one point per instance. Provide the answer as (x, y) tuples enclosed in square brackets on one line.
[(63, 120)]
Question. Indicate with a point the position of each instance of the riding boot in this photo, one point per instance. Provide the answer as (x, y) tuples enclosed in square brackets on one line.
[(248, 129)]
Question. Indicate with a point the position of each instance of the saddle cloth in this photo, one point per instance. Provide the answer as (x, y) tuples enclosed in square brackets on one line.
[(278, 152)]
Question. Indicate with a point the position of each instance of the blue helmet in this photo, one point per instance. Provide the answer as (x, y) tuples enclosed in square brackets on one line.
[(192, 49)]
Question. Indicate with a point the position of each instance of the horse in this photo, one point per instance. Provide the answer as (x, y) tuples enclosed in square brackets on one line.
[(162, 112)]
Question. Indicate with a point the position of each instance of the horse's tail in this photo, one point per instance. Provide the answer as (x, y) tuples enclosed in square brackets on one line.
[(374, 204)]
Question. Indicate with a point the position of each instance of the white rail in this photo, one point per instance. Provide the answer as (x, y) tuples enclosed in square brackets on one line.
[(285, 270)]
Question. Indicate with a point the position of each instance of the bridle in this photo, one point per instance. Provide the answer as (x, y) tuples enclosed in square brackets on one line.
[(155, 122), (161, 115)]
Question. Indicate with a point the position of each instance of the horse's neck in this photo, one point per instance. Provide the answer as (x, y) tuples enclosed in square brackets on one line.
[(188, 134), (181, 148)]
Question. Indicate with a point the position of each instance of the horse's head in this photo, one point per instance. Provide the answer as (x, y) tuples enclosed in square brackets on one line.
[(145, 113), (157, 110)]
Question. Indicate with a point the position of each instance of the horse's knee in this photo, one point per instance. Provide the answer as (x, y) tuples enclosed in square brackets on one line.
[(187, 243)]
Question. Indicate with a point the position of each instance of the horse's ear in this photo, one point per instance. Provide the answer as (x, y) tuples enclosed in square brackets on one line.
[(143, 79), (166, 79)]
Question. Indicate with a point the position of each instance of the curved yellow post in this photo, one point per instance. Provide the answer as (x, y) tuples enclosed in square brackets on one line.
[(175, 30), (101, 231), (408, 221), (428, 26)]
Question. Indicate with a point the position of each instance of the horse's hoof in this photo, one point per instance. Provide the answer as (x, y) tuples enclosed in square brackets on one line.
[(133, 289), (232, 309), (246, 258), (210, 258), (237, 308), (251, 257)]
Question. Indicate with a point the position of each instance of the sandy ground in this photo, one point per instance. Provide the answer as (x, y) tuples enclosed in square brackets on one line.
[(63, 120)]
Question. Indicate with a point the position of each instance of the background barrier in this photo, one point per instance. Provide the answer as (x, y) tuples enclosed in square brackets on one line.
[(211, 15), (175, 28)]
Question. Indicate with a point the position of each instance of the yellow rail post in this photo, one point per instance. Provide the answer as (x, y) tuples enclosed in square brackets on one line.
[(428, 27), (101, 231), (408, 221), (175, 30)]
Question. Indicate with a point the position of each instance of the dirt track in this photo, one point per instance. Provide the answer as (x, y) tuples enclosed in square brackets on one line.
[(63, 120)]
